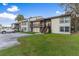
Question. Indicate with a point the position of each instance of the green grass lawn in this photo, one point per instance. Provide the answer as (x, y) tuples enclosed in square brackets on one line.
[(45, 45)]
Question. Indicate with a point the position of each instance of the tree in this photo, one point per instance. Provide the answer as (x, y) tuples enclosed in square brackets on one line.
[(73, 9), (19, 18)]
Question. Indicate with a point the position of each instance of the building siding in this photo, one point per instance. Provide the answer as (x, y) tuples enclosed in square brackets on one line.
[(55, 26), (24, 26), (36, 29)]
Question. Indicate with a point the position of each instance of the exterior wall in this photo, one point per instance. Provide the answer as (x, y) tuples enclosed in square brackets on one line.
[(15, 26), (36, 29), (36, 24), (24, 27), (40, 26), (55, 26)]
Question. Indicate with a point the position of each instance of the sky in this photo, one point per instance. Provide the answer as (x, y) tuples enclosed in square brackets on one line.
[(9, 11)]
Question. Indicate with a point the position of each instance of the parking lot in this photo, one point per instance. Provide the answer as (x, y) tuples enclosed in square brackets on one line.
[(10, 39)]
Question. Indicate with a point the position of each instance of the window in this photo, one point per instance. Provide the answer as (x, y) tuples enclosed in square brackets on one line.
[(64, 29), (61, 29), (61, 20), (66, 19)]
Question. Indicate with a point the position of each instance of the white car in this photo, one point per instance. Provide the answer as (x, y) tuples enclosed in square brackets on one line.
[(3, 31)]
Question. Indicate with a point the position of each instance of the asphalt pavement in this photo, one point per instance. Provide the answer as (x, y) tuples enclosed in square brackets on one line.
[(10, 39)]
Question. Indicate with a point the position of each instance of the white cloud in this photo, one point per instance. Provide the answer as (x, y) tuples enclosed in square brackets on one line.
[(7, 15), (4, 4), (59, 12), (13, 9)]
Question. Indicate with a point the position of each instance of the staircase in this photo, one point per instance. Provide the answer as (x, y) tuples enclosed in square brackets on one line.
[(44, 29)]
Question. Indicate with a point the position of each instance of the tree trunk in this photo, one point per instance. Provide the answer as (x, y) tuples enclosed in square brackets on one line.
[(76, 24)]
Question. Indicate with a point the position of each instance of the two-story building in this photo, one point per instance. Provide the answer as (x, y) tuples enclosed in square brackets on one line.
[(24, 26), (42, 25), (15, 26), (61, 24)]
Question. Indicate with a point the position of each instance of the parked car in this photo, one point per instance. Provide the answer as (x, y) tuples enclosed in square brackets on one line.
[(3, 31)]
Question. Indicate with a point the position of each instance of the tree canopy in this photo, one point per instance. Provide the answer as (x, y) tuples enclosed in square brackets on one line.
[(72, 8), (19, 18)]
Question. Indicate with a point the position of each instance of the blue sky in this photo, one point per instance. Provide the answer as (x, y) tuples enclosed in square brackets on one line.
[(9, 11)]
